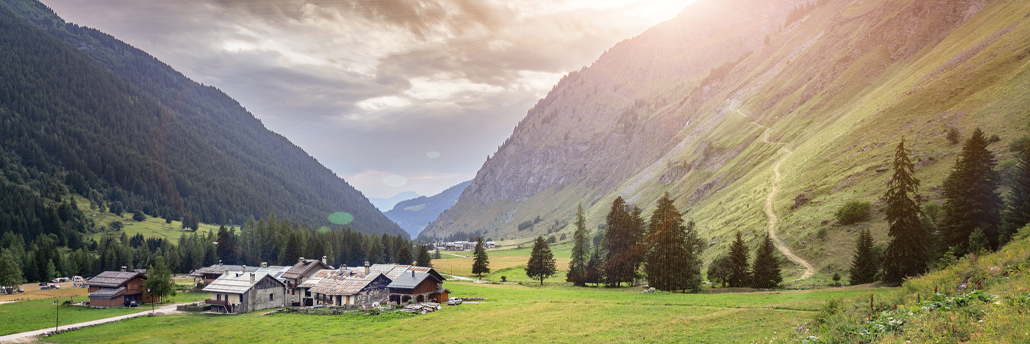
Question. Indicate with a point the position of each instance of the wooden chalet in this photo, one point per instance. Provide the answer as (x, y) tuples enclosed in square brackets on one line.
[(350, 288), (242, 292), (417, 287), (296, 275), (118, 288)]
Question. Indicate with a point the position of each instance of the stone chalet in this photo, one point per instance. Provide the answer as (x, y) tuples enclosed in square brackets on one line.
[(299, 272), (117, 288), (242, 292)]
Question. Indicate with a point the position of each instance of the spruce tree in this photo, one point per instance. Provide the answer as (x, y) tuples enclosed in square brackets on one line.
[(619, 256), (740, 276), (666, 264), (1017, 212), (404, 256), (865, 264), (541, 261), (594, 273), (765, 273), (580, 251), (908, 251), (424, 259), (971, 197), (481, 263)]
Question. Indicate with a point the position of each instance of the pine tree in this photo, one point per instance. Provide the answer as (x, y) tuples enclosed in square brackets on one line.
[(620, 259), (424, 259), (580, 251), (1017, 213), (971, 197), (908, 251), (765, 272), (740, 276), (865, 264), (481, 263), (667, 265), (541, 261), (404, 255)]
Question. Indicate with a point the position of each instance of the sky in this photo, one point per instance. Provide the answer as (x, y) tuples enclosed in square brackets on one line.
[(391, 95)]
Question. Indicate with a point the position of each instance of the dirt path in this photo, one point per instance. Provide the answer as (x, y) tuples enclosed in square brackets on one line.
[(30, 336), (770, 211)]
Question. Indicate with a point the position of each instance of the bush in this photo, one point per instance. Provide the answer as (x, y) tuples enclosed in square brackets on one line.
[(953, 135), (504, 278), (852, 212), (138, 216)]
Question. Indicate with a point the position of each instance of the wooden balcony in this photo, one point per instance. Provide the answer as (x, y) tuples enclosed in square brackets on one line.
[(217, 302)]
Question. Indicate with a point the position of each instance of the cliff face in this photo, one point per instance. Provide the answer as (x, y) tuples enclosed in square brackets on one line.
[(705, 105)]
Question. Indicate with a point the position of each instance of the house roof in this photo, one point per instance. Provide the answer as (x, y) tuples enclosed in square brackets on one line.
[(113, 279), (219, 269), (107, 293), (304, 267), (348, 283), (316, 277), (237, 283), (393, 270), (410, 280)]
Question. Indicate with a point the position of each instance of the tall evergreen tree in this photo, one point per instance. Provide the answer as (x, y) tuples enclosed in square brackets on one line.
[(740, 277), (971, 197), (541, 261), (291, 253), (481, 263), (595, 273), (908, 251), (580, 251), (424, 259), (10, 270), (666, 264), (766, 271), (228, 246), (865, 264), (1017, 212), (404, 255), (619, 263)]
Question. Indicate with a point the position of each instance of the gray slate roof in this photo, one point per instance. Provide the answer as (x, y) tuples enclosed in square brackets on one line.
[(301, 268), (112, 279), (107, 293), (409, 280), (236, 283)]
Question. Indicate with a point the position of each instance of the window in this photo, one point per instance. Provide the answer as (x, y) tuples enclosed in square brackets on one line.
[(218, 297), (271, 297)]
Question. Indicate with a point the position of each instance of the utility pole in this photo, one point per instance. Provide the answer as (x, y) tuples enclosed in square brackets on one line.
[(57, 320)]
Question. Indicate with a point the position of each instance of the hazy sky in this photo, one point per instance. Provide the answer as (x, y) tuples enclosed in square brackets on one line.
[(392, 95)]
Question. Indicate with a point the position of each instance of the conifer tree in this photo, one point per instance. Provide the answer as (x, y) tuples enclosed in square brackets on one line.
[(424, 259), (666, 264), (10, 271), (619, 244), (908, 251), (740, 276), (865, 263), (765, 272), (580, 251), (404, 255), (541, 261), (594, 273), (971, 197), (481, 263), (1017, 212)]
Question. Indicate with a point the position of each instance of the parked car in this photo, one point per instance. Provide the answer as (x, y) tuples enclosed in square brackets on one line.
[(133, 304), (454, 301), (46, 287)]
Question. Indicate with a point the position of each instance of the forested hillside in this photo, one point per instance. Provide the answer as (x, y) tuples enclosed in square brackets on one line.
[(85, 113)]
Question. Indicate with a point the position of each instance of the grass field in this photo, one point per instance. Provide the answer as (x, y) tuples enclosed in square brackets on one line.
[(152, 227), (511, 313)]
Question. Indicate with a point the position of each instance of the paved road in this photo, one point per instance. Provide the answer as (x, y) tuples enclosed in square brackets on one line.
[(30, 336)]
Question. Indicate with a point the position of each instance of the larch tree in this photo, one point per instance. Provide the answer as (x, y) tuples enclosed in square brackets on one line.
[(765, 273), (541, 261), (971, 199), (1017, 212), (481, 263), (865, 264), (740, 276), (907, 253), (580, 251)]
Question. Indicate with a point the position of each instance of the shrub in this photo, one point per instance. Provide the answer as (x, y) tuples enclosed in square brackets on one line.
[(852, 212), (504, 278), (139, 217), (953, 135)]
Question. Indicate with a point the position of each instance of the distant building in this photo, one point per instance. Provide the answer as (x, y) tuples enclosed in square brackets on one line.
[(297, 274), (117, 288), (370, 284)]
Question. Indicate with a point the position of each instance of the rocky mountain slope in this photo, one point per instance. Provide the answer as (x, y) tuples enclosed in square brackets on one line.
[(86, 113), (707, 104), (414, 214)]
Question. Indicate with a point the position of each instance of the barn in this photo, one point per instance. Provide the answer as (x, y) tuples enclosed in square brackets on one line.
[(117, 288), (242, 292)]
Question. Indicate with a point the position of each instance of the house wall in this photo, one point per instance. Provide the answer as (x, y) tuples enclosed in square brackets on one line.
[(367, 297), (113, 302), (257, 298)]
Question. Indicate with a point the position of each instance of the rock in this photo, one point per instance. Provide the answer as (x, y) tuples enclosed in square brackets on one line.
[(799, 200), (825, 222), (881, 169)]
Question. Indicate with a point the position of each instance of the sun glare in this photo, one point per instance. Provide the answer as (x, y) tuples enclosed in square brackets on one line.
[(654, 11)]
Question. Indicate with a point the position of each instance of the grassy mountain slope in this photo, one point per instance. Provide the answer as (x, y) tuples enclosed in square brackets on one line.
[(93, 115), (827, 98)]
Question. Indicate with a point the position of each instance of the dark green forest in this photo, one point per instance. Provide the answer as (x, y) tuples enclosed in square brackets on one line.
[(81, 112)]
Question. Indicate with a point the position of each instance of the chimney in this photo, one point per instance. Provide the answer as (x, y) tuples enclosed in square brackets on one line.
[(412, 273), (366, 267), (264, 264), (123, 268), (251, 277), (301, 260), (323, 260)]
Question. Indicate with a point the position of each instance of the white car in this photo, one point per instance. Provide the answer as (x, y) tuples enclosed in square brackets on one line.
[(454, 301)]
